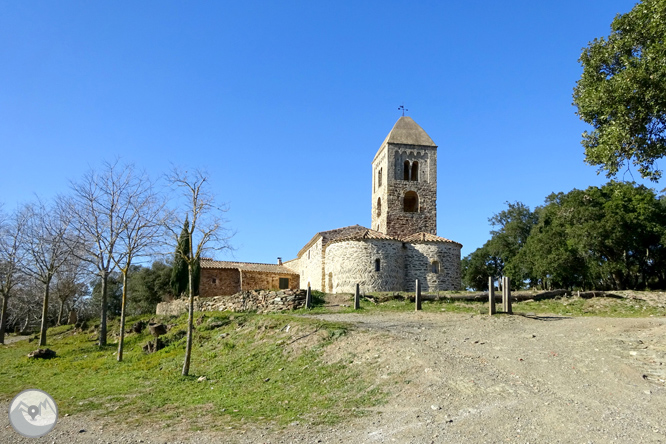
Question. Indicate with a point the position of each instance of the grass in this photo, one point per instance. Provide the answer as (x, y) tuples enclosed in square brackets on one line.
[(256, 370), (565, 306)]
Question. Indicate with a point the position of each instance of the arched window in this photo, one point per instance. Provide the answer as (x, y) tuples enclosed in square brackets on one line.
[(379, 206), (377, 264), (411, 202), (435, 267), (405, 170), (415, 171), (379, 178)]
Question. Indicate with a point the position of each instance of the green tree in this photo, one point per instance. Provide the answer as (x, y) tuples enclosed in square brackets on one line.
[(512, 227), (622, 92), (609, 237), (114, 294), (476, 267), (179, 271), (148, 287), (548, 258)]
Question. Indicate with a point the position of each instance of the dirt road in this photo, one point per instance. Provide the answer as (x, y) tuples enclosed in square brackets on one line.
[(462, 378)]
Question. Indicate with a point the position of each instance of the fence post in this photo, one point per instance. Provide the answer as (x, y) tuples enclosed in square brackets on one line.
[(504, 308), (507, 292), (357, 298), (417, 298), (308, 298), (491, 296)]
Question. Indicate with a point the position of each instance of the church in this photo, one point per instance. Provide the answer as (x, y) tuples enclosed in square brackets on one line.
[(400, 246)]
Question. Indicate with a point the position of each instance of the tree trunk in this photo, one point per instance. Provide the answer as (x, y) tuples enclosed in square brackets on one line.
[(45, 312), (190, 324), (3, 319), (122, 318), (62, 306), (102, 322)]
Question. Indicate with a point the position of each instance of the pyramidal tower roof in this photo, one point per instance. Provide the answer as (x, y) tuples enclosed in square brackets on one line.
[(408, 132)]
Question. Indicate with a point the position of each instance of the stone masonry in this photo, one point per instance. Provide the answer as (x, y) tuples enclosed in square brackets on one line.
[(261, 301)]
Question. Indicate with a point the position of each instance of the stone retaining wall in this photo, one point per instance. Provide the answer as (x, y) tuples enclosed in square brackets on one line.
[(261, 301)]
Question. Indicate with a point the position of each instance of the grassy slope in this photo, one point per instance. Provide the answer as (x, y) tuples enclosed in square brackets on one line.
[(238, 353), (85, 377), (644, 304)]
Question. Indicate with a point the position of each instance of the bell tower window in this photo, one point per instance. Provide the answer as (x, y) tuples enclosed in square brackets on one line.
[(411, 202), (415, 171), (379, 206), (405, 170), (379, 178)]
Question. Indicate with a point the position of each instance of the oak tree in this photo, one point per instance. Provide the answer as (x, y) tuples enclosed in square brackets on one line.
[(622, 92)]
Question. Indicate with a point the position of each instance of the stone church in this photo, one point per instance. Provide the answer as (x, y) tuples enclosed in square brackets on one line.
[(401, 246)]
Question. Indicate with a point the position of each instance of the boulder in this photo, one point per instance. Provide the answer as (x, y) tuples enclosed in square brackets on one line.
[(42, 353)]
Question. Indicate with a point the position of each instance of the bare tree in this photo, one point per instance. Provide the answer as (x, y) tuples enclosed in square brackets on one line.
[(69, 285), (47, 248), (206, 232), (143, 230), (101, 210), (12, 228)]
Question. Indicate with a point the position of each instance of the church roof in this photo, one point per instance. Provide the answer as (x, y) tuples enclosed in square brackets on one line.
[(365, 234), (427, 237), (246, 266), (331, 235), (408, 132)]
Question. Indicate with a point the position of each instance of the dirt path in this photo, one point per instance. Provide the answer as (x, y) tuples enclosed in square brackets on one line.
[(10, 339), (471, 378)]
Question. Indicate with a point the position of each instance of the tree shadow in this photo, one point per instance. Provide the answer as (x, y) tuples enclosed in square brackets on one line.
[(542, 318)]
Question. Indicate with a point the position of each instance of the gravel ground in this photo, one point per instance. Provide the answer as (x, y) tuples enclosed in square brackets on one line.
[(466, 378)]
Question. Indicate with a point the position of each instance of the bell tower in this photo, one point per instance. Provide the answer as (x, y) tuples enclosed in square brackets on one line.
[(404, 182)]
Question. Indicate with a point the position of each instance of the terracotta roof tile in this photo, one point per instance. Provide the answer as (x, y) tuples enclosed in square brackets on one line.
[(246, 266), (331, 235), (365, 234), (427, 237)]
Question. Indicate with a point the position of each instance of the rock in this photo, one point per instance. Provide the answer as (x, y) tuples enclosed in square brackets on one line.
[(201, 379), (153, 346), (138, 327), (42, 354), (435, 407), (157, 329)]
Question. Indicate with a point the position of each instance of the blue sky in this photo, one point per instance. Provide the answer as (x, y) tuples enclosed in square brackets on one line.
[(286, 103)]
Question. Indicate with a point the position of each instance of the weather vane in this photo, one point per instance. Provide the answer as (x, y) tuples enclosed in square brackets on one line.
[(402, 107)]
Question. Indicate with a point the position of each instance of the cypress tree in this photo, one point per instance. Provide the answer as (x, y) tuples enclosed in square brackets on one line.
[(179, 277)]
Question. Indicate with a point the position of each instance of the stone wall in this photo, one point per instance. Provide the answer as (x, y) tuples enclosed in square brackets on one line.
[(228, 281), (419, 258), (262, 301), (398, 222), (311, 265), (352, 262), (251, 280), (219, 281), (392, 219)]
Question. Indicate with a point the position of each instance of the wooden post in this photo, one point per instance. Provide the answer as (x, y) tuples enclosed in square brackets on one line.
[(491, 296), (308, 298), (504, 306), (418, 295), (508, 296), (357, 298)]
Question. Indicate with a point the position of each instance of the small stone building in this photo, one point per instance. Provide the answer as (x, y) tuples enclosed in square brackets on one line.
[(220, 278), (402, 244)]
